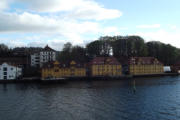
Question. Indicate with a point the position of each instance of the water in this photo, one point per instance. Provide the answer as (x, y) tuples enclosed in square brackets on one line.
[(154, 99)]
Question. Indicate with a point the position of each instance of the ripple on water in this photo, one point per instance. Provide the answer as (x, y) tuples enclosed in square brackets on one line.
[(155, 98)]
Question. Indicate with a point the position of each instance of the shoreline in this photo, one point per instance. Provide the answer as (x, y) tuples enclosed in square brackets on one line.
[(75, 79), (156, 75)]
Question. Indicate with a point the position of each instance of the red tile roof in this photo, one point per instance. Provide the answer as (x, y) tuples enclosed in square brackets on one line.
[(104, 60), (144, 60), (177, 64), (62, 65)]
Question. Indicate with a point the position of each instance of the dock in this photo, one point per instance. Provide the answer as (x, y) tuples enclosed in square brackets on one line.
[(156, 75), (76, 79)]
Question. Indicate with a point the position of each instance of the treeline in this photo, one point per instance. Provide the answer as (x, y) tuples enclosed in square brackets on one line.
[(118, 46), (8, 52), (4, 50)]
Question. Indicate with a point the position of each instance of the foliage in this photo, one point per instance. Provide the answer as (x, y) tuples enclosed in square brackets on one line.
[(118, 46), (164, 52), (101, 47), (70, 53), (129, 46)]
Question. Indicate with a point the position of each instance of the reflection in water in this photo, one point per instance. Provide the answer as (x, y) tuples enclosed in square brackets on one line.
[(134, 86), (4, 87), (138, 99)]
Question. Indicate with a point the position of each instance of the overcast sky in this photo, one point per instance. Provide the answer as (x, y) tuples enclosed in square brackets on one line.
[(55, 22)]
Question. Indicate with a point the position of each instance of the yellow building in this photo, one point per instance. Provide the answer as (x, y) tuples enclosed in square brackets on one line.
[(145, 65), (105, 66), (57, 70)]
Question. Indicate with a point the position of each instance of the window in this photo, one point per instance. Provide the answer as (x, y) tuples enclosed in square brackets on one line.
[(5, 69), (5, 77), (11, 68), (5, 73)]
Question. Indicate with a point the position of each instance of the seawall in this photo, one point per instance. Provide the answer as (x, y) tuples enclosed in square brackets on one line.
[(98, 78)]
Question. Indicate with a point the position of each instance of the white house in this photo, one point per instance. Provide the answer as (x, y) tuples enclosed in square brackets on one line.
[(9, 72), (47, 55), (44, 56)]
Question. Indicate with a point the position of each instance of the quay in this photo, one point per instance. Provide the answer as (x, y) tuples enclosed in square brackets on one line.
[(76, 79), (156, 75)]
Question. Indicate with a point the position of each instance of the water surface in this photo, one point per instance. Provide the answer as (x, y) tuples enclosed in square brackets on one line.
[(155, 99)]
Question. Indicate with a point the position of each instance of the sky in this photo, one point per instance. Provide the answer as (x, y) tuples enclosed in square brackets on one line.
[(36, 23)]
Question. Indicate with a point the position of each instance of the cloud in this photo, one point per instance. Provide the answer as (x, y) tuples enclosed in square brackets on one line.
[(172, 37), (4, 4), (94, 11), (57, 21), (54, 5), (124, 28), (110, 31), (173, 27), (77, 9), (70, 30), (25, 22), (149, 26)]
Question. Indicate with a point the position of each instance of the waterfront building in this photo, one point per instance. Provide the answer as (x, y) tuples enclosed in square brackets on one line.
[(176, 67), (57, 70), (145, 65), (44, 56), (9, 72), (35, 60), (105, 66)]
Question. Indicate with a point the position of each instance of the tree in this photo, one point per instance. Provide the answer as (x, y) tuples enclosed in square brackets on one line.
[(4, 50), (166, 53), (3, 47), (100, 47), (67, 47), (79, 54), (119, 46), (69, 53), (94, 49), (65, 54), (129, 46)]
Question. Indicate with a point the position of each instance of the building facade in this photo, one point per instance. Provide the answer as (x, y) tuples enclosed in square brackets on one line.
[(47, 55), (57, 70), (145, 65), (43, 56), (9, 72), (105, 66), (35, 61), (176, 67)]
